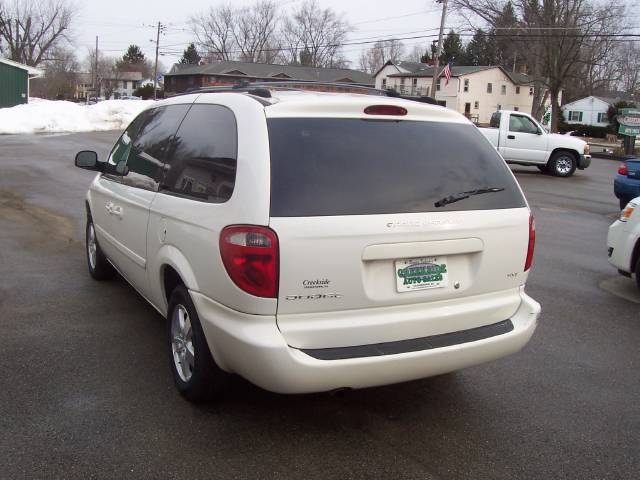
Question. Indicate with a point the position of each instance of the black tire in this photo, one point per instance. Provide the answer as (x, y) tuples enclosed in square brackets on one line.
[(623, 202), (203, 380), (543, 168), (637, 271), (563, 164), (99, 267)]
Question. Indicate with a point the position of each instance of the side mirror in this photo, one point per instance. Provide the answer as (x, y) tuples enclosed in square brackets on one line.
[(88, 160)]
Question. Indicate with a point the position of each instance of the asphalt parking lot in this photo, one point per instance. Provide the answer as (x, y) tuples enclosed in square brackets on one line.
[(86, 391)]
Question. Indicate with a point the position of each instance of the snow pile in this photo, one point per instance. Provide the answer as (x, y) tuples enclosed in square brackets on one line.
[(46, 116)]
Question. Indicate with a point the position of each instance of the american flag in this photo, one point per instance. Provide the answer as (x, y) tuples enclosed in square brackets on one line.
[(447, 73)]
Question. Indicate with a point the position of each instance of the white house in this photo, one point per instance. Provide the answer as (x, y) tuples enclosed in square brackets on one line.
[(591, 110), (475, 91)]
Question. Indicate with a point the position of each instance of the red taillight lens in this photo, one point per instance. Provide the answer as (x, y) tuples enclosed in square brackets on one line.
[(532, 242), (623, 170), (250, 255), (385, 110)]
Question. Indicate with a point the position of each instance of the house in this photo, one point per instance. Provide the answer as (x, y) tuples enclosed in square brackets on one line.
[(14, 82), (592, 110), (183, 77), (119, 84), (84, 85), (475, 91)]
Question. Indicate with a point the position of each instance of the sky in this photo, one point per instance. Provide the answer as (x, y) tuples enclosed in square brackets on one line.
[(119, 23)]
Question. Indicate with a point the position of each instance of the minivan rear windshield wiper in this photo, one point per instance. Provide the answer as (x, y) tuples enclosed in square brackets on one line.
[(456, 197)]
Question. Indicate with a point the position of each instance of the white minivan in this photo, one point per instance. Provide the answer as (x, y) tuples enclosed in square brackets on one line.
[(314, 241)]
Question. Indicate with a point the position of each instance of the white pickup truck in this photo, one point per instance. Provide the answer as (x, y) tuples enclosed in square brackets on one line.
[(523, 141)]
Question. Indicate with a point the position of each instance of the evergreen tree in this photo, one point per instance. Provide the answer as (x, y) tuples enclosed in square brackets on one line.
[(452, 49), (481, 50), (506, 29), (133, 56), (190, 56)]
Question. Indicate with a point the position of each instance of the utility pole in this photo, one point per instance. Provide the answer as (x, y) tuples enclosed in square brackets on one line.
[(436, 65), (155, 68)]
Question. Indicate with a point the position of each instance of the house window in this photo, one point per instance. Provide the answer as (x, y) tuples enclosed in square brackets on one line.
[(415, 82), (503, 90), (499, 107), (402, 81), (517, 90), (602, 117), (466, 85), (516, 109), (384, 83), (438, 85), (575, 116), (476, 105), (530, 90), (489, 88)]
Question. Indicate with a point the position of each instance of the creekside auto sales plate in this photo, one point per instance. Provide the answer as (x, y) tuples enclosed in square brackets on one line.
[(421, 273)]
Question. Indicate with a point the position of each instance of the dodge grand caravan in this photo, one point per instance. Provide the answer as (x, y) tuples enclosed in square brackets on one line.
[(314, 241)]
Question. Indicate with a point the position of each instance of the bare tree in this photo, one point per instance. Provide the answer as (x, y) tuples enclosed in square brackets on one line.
[(381, 52), (628, 62), (556, 34), (213, 32), (227, 32), (30, 29), (107, 73), (416, 54), (60, 74), (314, 36), (254, 32)]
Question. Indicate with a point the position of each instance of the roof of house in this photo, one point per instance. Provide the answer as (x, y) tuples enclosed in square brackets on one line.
[(30, 70), (610, 100), (135, 76), (458, 71), (268, 70)]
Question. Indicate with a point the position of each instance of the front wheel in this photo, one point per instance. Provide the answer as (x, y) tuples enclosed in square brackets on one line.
[(638, 272), (99, 266), (195, 372), (563, 164)]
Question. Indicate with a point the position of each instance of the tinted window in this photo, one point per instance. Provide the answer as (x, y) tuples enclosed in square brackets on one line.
[(518, 123), (363, 167), (150, 136), (202, 161)]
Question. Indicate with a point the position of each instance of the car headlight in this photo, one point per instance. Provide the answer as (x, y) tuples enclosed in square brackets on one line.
[(587, 149), (627, 211)]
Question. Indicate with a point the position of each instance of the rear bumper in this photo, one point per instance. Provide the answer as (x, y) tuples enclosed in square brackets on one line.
[(252, 346), (584, 161)]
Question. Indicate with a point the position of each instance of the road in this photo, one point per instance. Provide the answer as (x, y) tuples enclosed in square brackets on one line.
[(86, 391)]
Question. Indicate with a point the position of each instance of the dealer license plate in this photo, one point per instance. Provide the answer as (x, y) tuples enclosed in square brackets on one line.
[(421, 273)]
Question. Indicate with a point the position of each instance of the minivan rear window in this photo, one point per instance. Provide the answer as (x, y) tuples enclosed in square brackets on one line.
[(335, 166)]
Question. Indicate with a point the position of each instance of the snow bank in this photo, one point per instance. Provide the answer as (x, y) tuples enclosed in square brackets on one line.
[(47, 116)]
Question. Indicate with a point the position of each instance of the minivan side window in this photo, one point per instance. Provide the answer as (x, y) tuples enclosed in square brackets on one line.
[(202, 161), (149, 146)]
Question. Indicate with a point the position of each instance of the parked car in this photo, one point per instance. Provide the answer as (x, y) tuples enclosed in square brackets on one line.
[(521, 140), (626, 184), (311, 242), (624, 241)]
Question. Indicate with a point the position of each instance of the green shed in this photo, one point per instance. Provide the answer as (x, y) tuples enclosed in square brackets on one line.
[(14, 82)]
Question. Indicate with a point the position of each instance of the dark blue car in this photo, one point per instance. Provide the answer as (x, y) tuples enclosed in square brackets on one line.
[(626, 186)]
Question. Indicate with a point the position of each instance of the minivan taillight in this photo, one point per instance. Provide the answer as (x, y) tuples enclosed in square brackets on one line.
[(623, 170), (532, 242), (250, 255)]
